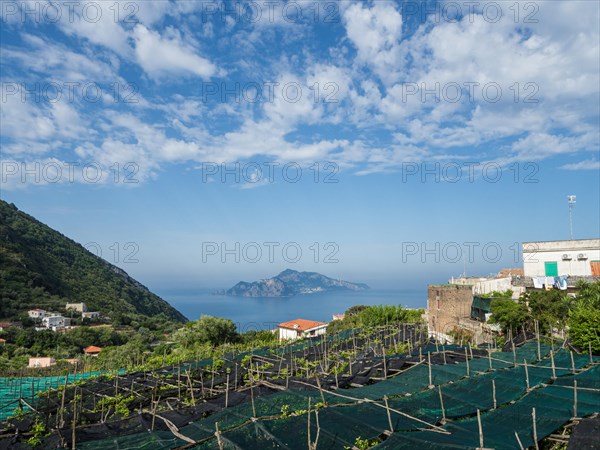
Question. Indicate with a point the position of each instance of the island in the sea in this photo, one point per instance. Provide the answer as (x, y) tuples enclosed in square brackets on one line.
[(291, 282)]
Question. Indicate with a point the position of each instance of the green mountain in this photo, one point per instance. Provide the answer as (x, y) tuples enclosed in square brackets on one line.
[(41, 268)]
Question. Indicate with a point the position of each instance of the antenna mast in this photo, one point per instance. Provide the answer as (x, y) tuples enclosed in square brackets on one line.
[(571, 200)]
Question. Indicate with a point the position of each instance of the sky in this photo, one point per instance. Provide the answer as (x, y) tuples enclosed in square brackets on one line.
[(196, 144)]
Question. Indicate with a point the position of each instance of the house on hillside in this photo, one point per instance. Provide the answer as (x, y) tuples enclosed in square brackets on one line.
[(90, 315), (7, 325), (299, 328), (92, 350), (79, 307), (55, 322), (37, 313), (45, 361), (2, 341)]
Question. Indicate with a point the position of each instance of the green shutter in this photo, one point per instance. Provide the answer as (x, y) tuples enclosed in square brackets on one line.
[(551, 269)]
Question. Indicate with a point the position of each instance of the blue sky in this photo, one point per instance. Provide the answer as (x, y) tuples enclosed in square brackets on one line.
[(195, 144)]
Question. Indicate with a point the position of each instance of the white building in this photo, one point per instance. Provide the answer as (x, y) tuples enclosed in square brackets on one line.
[(90, 315), (37, 313), (41, 362), (301, 328), (54, 322), (556, 258)]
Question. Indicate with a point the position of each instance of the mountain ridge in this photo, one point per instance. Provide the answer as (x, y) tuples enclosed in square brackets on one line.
[(42, 268), (289, 283)]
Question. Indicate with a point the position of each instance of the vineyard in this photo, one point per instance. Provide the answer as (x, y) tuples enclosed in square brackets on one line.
[(383, 387)]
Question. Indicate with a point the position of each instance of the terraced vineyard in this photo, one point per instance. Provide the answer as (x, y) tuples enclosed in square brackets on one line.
[(382, 388)]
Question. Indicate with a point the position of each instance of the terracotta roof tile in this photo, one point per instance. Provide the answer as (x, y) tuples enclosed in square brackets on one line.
[(301, 324)]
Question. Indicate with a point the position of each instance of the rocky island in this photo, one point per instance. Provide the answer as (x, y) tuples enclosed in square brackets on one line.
[(291, 282)]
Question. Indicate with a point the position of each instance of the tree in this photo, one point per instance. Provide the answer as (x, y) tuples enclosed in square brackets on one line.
[(508, 314), (208, 329), (584, 327), (584, 318)]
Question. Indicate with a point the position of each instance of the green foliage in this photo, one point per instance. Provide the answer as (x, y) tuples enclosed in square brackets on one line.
[(372, 316), (584, 327), (41, 268), (584, 318), (119, 403), (508, 313), (497, 294), (549, 308), (365, 444), (208, 329), (38, 431)]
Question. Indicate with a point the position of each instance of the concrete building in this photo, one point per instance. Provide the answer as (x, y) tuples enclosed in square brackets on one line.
[(37, 313), (580, 258), (301, 328), (54, 322), (79, 307), (90, 315), (41, 362)]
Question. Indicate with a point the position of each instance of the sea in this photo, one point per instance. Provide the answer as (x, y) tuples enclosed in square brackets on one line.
[(264, 313)]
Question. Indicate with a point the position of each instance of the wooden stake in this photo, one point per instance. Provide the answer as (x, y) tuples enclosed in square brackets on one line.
[(590, 350), (442, 402), (480, 430), (514, 354), (309, 439), (537, 333), (74, 423), (429, 367), (535, 438), (384, 366), (252, 393), (572, 362), (490, 358), (227, 392), (467, 361), (218, 434), (494, 392), (444, 353), (575, 398), (387, 408), (519, 441), (526, 373), (553, 368)]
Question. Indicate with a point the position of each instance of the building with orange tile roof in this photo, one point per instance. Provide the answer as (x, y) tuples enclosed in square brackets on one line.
[(92, 350), (299, 328)]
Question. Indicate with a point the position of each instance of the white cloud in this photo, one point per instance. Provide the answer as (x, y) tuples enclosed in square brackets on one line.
[(375, 32), (588, 164), (169, 55)]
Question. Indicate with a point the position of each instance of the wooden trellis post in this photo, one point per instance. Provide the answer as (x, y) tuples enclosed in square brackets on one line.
[(442, 402), (480, 430), (575, 398), (387, 408), (535, 437)]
